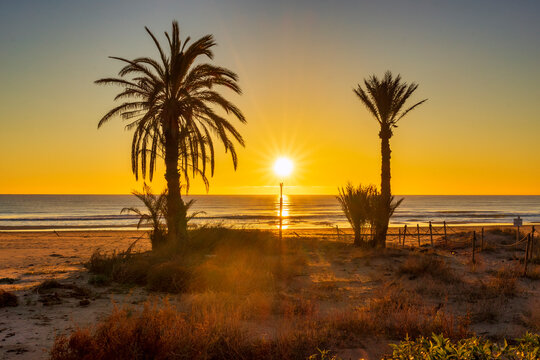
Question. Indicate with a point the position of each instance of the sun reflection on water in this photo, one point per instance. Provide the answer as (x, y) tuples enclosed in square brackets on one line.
[(285, 213)]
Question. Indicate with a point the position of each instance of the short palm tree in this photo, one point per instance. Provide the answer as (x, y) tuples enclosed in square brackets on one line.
[(362, 206), (155, 205), (172, 105), (357, 204), (385, 98)]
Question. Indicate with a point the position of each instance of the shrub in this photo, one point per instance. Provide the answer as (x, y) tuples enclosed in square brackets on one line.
[(168, 277), (364, 205), (132, 271), (504, 283), (101, 263), (155, 205), (420, 265), (439, 347), (124, 267), (220, 259), (324, 355), (358, 205), (8, 299), (397, 313)]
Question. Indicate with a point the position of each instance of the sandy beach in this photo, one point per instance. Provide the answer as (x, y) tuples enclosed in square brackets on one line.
[(337, 281)]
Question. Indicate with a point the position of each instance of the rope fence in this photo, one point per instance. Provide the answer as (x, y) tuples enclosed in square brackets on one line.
[(453, 238)]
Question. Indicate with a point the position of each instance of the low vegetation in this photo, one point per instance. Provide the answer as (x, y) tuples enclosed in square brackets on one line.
[(162, 332), (215, 259), (366, 210), (439, 347), (8, 299), (395, 313), (243, 294), (154, 217), (420, 265)]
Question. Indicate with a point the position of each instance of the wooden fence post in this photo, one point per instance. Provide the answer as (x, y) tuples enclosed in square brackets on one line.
[(526, 255), (532, 242), (445, 238), (517, 238), (418, 233), (404, 233), (337, 231), (473, 247), (431, 233)]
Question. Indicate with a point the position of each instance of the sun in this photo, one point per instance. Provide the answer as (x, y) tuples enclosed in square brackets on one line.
[(283, 166)]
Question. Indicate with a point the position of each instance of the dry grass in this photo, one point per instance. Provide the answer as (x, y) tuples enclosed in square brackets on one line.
[(506, 232), (487, 310), (215, 259), (501, 285), (431, 287), (505, 282), (244, 299), (396, 313), (417, 265), (532, 316), (533, 272), (162, 332)]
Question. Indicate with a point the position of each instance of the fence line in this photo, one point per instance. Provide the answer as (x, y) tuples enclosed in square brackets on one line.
[(446, 233)]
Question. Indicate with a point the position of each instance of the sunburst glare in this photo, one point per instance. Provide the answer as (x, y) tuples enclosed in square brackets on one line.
[(283, 167)]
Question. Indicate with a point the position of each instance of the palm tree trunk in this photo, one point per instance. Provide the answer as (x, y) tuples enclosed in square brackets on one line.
[(172, 176), (386, 194), (358, 237)]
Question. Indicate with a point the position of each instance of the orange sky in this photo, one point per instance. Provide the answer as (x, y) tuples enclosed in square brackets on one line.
[(479, 133)]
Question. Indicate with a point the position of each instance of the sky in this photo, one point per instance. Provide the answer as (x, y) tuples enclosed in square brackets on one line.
[(298, 62)]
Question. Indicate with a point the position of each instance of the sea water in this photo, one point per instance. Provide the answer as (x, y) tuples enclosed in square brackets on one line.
[(257, 211)]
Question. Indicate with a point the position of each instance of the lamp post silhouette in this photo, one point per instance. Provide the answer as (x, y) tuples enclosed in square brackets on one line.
[(280, 210), (283, 168)]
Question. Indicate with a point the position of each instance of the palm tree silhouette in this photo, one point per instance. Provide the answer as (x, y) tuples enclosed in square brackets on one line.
[(385, 98), (155, 205), (171, 105)]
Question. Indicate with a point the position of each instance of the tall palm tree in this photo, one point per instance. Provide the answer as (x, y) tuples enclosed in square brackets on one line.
[(172, 105), (385, 98)]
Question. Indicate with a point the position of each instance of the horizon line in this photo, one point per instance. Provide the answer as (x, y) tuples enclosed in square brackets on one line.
[(199, 194)]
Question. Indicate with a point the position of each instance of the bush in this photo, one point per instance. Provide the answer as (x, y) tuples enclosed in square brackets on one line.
[(101, 263), (220, 259), (359, 206), (123, 267), (396, 313), (420, 265), (8, 299), (364, 205), (132, 271), (439, 347), (168, 277)]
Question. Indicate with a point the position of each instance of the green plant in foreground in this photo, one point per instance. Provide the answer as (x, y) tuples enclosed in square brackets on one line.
[(323, 355), (440, 348)]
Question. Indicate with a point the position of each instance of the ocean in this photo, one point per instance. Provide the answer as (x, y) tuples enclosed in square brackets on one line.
[(33, 212)]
